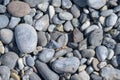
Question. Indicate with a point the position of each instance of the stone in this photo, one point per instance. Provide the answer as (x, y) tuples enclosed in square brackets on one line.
[(51, 11), (77, 54), (38, 15), (109, 73), (2, 48), (43, 6), (96, 37), (117, 9), (3, 21), (18, 8), (117, 50), (85, 25), (77, 35), (4, 73), (72, 45), (34, 76), (26, 38), (75, 11), (95, 63), (6, 35), (53, 44), (83, 17), (95, 77), (66, 4), (75, 77), (51, 27), (20, 63), (111, 20), (42, 40), (14, 76), (45, 71), (6, 2), (59, 28), (56, 3), (84, 75), (75, 22), (82, 68), (82, 45), (28, 19), (110, 54), (66, 65), (65, 15), (102, 64), (2, 9), (68, 26), (102, 53), (96, 4), (106, 13), (13, 22), (9, 59), (42, 23), (46, 55), (88, 53), (89, 69), (80, 3), (30, 61)]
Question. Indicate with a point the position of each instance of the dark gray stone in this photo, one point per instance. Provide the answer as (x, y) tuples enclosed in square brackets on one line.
[(81, 3)]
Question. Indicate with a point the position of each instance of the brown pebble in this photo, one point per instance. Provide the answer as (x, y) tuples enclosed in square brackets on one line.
[(18, 8), (15, 76), (95, 64)]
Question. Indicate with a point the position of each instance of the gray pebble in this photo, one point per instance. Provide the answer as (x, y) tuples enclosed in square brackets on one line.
[(88, 53), (65, 15), (20, 63), (34, 76), (9, 59), (101, 52), (6, 35), (95, 77), (2, 9), (42, 23), (75, 77), (72, 45), (85, 25), (117, 9), (81, 3), (111, 54), (77, 54), (84, 75), (96, 37), (75, 11), (82, 45), (68, 26), (75, 22), (102, 64), (30, 61), (89, 69), (6, 2), (66, 4), (114, 61), (46, 55), (66, 65), (95, 14), (56, 3), (43, 6), (51, 11), (106, 13), (13, 22), (83, 17), (45, 71), (117, 48), (53, 44), (28, 19), (38, 15), (26, 38), (3, 21)]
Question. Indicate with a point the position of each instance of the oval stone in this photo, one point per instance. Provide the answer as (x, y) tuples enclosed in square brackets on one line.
[(26, 38), (18, 8)]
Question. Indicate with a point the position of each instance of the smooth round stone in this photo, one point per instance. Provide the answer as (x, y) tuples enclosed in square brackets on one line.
[(26, 38), (111, 54), (111, 20), (85, 25), (80, 3), (65, 15), (6, 35), (102, 64), (75, 11), (68, 26), (95, 63), (30, 61), (88, 53), (43, 6), (75, 22), (102, 53), (51, 11), (18, 8), (95, 77), (51, 27), (96, 4), (56, 3), (28, 19), (89, 70), (82, 68), (4, 73), (3, 21), (66, 65), (96, 37), (66, 4), (75, 77), (9, 59), (46, 55), (34, 76), (106, 13)]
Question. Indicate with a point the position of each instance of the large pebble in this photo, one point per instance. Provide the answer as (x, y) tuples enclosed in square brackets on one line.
[(117, 48), (66, 65), (66, 4), (9, 59), (106, 13), (6, 35), (18, 8), (96, 4), (65, 15), (102, 53), (42, 23), (95, 38), (46, 55), (3, 21), (26, 38), (84, 75), (75, 11)]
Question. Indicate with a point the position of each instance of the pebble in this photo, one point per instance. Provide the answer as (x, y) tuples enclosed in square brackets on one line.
[(65, 15), (51, 27), (30, 61), (18, 8), (82, 45), (20, 63), (117, 9), (110, 54), (53, 44), (95, 63), (88, 53), (106, 13), (2, 9), (96, 37), (42, 23), (46, 55), (102, 64), (4, 73), (14, 76), (42, 40), (45, 71), (9, 59), (72, 45), (66, 65), (77, 35), (102, 53), (38, 15), (59, 28), (75, 11), (77, 54), (28, 19), (96, 4), (51, 11), (75, 22), (84, 75), (82, 68), (43, 6), (68, 26), (3, 21), (66, 4), (56, 3), (26, 38), (85, 25), (6, 2), (34, 76), (80, 3), (75, 77), (83, 17), (2, 48), (13, 22), (89, 69), (6, 35), (117, 48), (95, 77), (111, 20)]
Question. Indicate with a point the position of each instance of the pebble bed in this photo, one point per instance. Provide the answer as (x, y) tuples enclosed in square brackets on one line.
[(59, 39)]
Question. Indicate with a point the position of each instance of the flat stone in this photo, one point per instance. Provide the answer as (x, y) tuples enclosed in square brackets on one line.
[(95, 77), (26, 38), (65, 15), (96, 4), (9, 59), (2, 9), (28, 19), (75, 22), (3, 21), (18, 8), (66, 4), (51, 11), (102, 53), (6, 35), (82, 45), (117, 48), (106, 13), (111, 54), (75, 77), (75, 11), (42, 23), (66, 65), (46, 55)]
